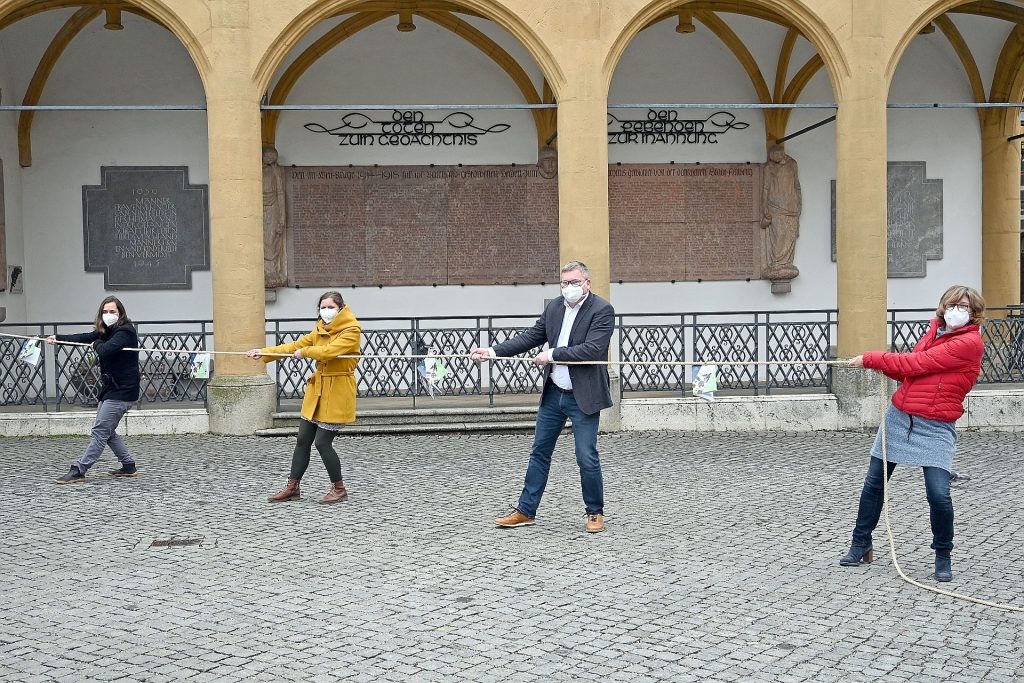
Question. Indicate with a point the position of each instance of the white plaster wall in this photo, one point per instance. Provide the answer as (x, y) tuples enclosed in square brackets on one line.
[(664, 66), (14, 303), (949, 142), (430, 65), (145, 64)]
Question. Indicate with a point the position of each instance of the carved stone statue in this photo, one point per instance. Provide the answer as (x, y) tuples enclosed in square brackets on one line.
[(781, 202), (275, 264), (547, 162)]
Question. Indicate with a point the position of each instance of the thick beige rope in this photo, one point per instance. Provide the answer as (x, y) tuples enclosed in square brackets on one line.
[(466, 356), (892, 536)]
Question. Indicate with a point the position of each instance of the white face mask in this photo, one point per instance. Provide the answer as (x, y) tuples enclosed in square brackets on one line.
[(955, 318), (328, 314), (110, 318), (572, 293)]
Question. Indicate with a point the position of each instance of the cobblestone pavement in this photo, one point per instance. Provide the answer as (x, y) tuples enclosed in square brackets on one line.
[(719, 564)]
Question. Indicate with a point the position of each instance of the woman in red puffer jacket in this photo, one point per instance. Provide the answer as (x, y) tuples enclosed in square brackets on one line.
[(920, 424)]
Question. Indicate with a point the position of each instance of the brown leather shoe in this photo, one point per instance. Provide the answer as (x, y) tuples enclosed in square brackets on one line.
[(516, 518), (336, 494), (595, 523), (290, 490)]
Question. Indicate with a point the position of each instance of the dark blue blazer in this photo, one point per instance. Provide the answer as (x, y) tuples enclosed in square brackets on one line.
[(588, 340)]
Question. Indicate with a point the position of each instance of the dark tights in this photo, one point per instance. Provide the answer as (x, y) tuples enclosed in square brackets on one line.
[(311, 435)]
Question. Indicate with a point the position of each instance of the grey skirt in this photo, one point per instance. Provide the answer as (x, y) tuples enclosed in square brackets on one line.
[(329, 426), (913, 440)]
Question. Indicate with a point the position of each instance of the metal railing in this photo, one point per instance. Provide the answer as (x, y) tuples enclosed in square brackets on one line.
[(748, 337), (70, 375), (404, 378), (761, 341)]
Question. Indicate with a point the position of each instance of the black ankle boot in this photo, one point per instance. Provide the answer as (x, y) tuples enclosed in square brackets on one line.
[(943, 567), (857, 556)]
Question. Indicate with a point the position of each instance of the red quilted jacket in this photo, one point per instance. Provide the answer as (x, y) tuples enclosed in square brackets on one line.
[(936, 375)]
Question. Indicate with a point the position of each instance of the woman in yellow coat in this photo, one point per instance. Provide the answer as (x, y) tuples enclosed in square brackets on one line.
[(330, 400)]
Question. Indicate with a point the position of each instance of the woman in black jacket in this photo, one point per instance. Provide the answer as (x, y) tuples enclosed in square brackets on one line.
[(119, 388)]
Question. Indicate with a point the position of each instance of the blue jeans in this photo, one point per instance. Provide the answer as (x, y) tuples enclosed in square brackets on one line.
[(555, 408), (936, 485), (108, 415)]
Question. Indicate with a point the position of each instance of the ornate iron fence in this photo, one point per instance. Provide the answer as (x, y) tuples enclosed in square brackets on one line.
[(760, 341), (749, 338), (21, 384), (403, 377), (71, 376)]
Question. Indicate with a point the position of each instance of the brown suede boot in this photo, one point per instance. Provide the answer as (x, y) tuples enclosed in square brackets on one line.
[(337, 494), (290, 490)]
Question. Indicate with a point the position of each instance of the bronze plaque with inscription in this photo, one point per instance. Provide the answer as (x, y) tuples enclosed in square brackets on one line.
[(485, 225)]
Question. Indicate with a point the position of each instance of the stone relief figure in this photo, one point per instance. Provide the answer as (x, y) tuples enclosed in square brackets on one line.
[(275, 264), (547, 162), (781, 203)]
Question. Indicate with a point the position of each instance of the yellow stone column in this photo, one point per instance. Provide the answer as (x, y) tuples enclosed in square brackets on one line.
[(241, 394), (1000, 208), (583, 179), (861, 217), (583, 194), (861, 241)]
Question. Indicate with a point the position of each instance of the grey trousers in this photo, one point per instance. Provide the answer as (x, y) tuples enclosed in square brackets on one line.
[(108, 415)]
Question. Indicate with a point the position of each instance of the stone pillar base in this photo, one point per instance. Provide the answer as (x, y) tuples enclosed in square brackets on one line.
[(858, 393), (611, 418), (239, 405)]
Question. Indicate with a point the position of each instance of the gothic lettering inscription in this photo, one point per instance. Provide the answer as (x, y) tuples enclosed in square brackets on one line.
[(407, 128)]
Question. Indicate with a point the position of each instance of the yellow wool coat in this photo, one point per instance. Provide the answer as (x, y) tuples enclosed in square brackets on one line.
[(331, 391)]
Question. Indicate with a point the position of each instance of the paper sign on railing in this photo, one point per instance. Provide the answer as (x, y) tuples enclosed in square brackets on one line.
[(705, 381), (31, 352), (200, 365), (432, 370)]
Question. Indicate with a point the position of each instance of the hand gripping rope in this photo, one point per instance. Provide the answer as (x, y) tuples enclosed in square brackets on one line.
[(883, 393)]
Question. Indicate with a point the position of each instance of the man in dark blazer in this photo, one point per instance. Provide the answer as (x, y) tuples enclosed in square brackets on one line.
[(577, 326)]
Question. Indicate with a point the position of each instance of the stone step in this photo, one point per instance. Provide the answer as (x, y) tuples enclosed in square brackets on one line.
[(425, 416), (357, 429)]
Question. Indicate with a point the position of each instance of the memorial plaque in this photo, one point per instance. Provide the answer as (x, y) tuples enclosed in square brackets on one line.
[(146, 227), (417, 225), (914, 217), (685, 222)]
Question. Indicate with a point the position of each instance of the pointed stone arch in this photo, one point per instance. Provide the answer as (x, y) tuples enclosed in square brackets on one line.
[(785, 91), (349, 27), (87, 11), (276, 53), (805, 21), (175, 21)]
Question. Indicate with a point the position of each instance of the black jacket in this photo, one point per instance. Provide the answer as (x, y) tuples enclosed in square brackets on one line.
[(588, 340), (119, 369)]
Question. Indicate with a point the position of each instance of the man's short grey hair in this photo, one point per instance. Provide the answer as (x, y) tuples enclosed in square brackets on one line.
[(577, 265)]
